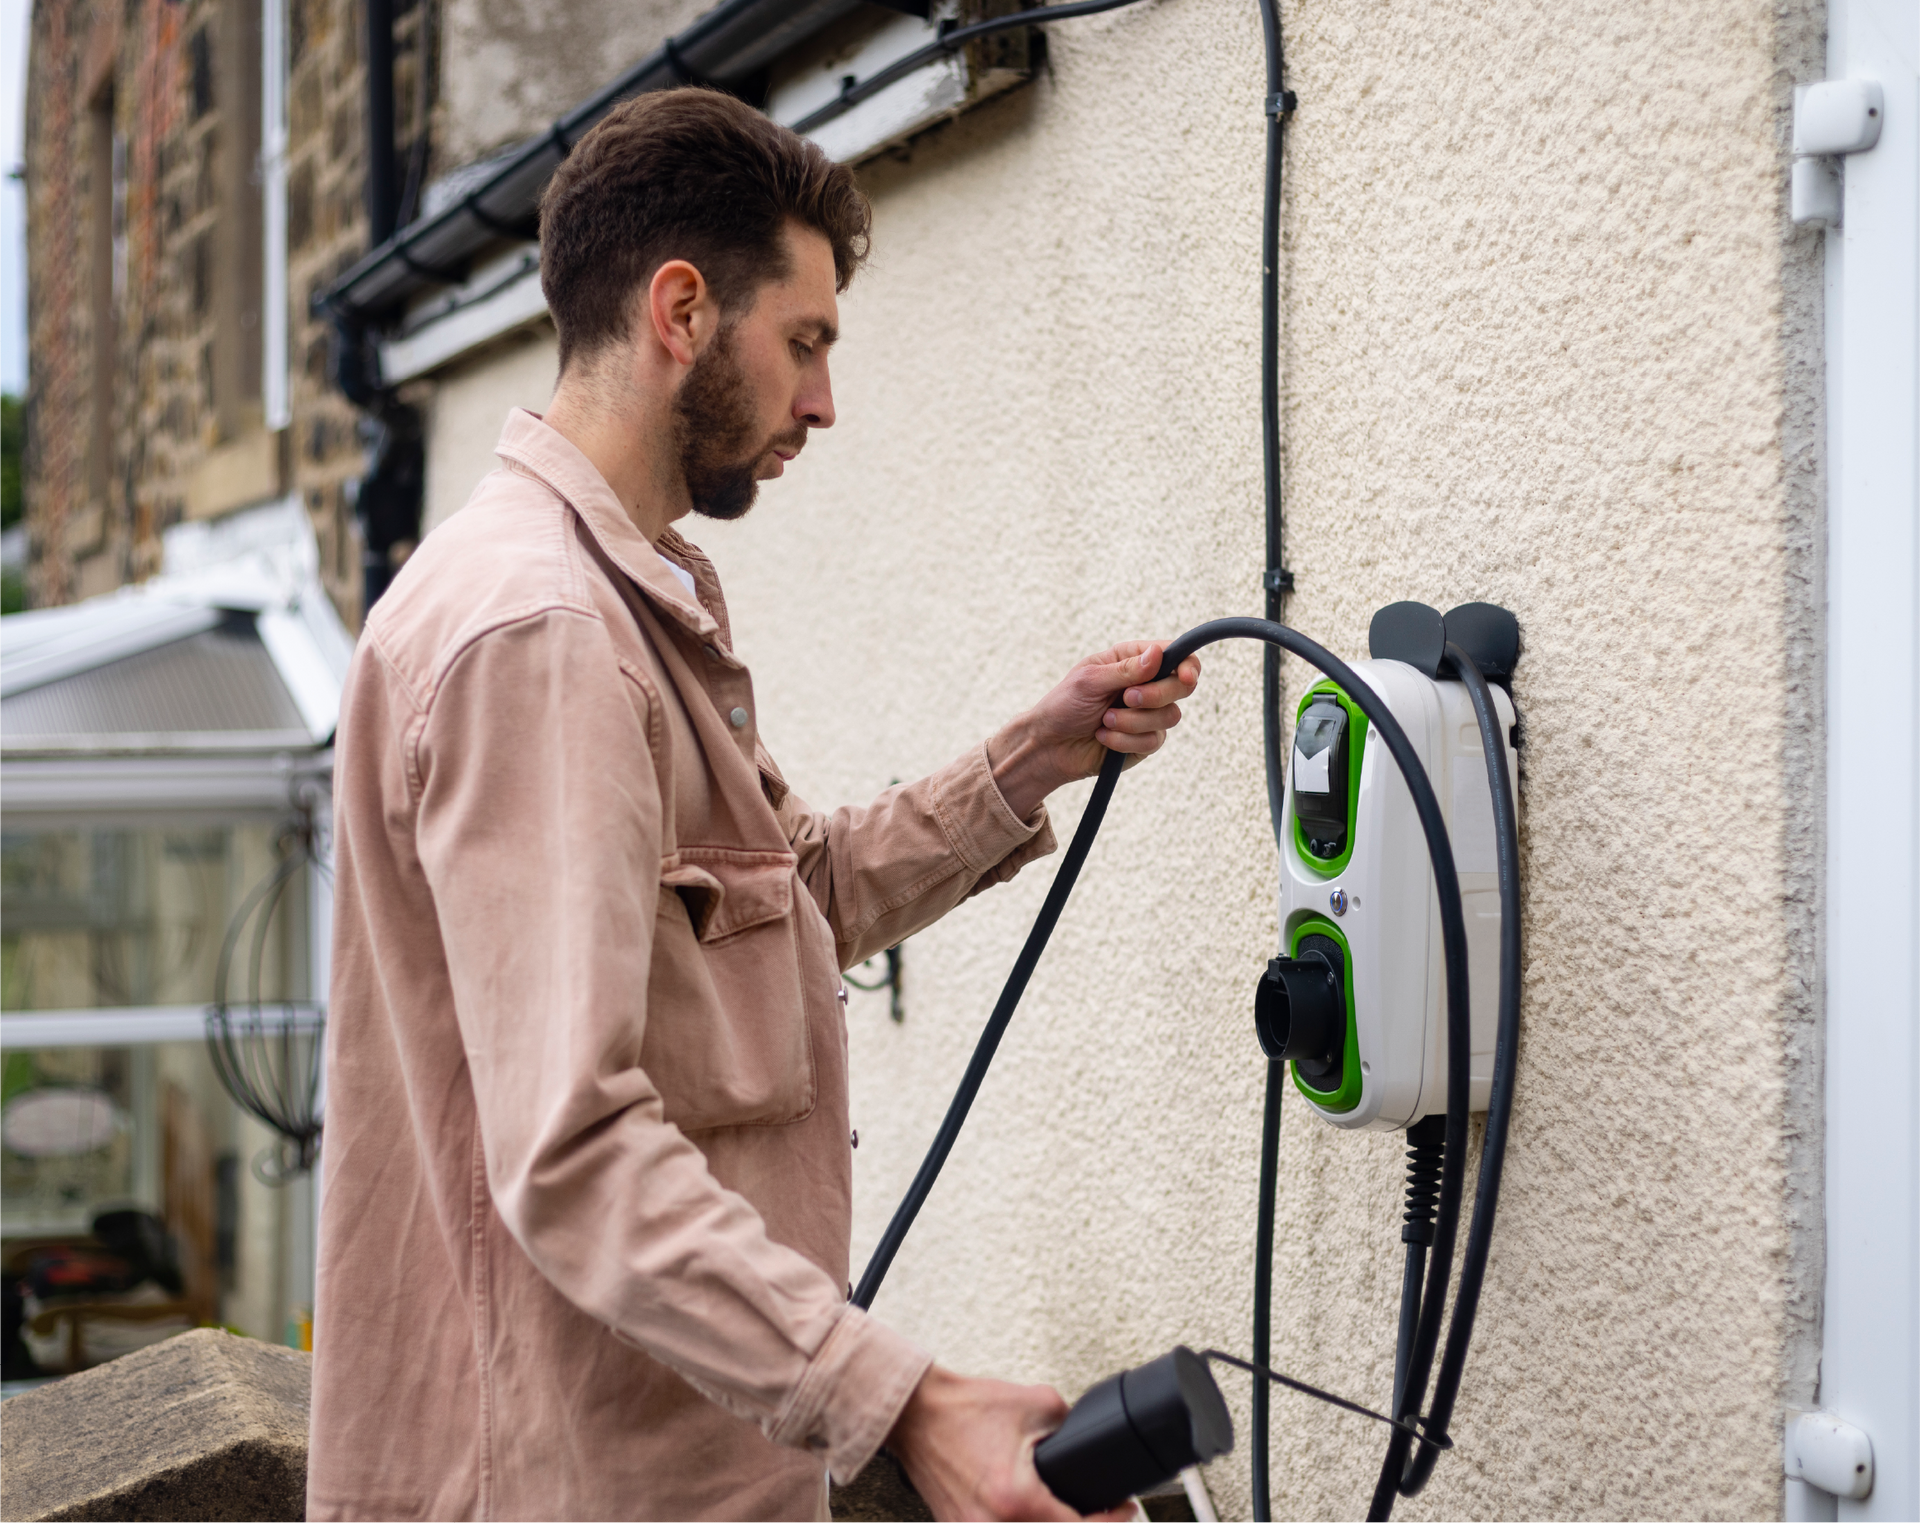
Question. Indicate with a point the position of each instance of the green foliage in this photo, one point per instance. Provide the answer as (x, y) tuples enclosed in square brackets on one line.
[(13, 444), (19, 1075)]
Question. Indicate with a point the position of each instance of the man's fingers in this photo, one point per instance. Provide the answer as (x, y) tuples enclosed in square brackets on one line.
[(1130, 673), (1141, 721), (1158, 694), (1131, 745)]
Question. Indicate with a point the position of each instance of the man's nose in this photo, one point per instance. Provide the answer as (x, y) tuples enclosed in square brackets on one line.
[(814, 405)]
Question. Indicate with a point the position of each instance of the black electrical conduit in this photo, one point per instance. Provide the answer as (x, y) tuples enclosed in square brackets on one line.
[(1276, 581), (1412, 1364)]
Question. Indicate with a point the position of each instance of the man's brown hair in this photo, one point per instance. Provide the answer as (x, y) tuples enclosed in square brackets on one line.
[(684, 174)]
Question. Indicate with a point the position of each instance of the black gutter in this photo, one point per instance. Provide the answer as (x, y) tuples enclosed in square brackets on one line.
[(727, 46)]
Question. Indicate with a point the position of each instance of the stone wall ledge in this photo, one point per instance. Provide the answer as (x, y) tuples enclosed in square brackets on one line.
[(205, 1425)]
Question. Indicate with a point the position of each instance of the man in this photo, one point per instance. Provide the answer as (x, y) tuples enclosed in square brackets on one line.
[(584, 1243)]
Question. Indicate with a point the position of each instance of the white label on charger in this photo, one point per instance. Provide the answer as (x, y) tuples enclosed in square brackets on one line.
[(1310, 772)]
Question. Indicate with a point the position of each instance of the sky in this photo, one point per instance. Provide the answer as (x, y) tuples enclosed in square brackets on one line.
[(13, 197)]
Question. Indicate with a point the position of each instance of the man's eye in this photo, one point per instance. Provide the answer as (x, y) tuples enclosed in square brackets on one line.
[(802, 351)]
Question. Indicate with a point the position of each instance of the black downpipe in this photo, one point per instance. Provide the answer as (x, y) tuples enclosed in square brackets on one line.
[(393, 486), (383, 184)]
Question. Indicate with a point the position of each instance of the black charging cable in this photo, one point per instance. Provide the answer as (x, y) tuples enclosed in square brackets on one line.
[(1402, 1472), (1453, 938)]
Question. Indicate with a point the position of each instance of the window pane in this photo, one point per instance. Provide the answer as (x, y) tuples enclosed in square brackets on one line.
[(89, 1136), (111, 918), (69, 1136)]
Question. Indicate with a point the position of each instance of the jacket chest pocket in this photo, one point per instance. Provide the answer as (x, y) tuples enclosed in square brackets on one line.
[(727, 1039)]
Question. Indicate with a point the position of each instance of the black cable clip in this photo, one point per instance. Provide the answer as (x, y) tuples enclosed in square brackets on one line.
[(1283, 104), (1277, 580)]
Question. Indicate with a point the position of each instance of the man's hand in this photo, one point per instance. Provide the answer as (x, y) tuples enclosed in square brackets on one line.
[(1108, 702), (968, 1445)]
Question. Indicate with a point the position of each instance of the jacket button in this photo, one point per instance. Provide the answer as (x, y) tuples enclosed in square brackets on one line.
[(739, 718), (856, 1139)]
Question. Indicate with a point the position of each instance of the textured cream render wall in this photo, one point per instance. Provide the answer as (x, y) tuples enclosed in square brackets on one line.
[(470, 402), (1550, 341)]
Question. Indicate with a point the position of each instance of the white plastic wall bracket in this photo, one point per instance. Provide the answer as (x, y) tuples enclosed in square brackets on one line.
[(1816, 192), (1830, 119), (1837, 116), (1826, 1452)]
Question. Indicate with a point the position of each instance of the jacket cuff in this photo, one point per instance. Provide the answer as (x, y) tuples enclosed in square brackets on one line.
[(851, 1394), (981, 826)]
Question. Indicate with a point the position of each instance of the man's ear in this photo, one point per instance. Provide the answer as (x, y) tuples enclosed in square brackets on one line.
[(681, 309)]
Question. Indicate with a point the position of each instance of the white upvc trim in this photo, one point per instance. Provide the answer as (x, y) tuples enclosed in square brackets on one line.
[(501, 297), (905, 107), (133, 1027), (930, 94), (275, 380), (133, 785), (1870, 1364), (310, 678)]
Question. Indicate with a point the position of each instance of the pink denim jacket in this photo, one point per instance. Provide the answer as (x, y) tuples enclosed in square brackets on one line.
[(587, 1183)]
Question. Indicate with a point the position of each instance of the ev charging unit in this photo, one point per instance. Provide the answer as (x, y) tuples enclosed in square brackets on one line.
[(1355, 1000)]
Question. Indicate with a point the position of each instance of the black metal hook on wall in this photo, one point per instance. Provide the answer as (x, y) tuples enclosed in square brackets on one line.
[(889, 981)]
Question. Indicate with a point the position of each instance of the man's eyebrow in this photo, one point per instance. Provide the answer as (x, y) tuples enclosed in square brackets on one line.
[(824, 332)]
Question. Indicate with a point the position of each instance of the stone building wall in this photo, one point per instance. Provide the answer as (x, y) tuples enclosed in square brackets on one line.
[(146, 267)]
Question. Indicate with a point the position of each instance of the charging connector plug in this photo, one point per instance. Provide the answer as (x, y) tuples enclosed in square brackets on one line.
[(1134, 1431), (1300, 1011)]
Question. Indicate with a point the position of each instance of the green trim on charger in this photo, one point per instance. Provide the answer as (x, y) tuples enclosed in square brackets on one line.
[(1347, 1096), (1332, 867)]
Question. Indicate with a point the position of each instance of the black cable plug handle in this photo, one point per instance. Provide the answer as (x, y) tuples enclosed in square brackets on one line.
[(1453, 936)]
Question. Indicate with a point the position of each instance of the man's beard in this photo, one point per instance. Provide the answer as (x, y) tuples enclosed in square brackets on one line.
[(715, 429)]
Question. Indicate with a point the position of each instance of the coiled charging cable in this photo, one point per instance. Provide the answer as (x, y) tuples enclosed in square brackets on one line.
[(1410, 1430)]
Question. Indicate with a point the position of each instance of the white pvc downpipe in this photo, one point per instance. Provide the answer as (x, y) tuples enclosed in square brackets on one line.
[(275, 382), (1870, 1359)]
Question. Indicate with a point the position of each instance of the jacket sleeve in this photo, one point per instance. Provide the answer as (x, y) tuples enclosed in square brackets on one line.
[(539, 833), (882, 872)]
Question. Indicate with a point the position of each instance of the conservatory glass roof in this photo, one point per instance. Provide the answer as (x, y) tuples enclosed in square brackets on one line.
[(234, 647)]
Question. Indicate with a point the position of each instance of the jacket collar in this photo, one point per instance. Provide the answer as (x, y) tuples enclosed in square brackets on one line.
[(530, 443)]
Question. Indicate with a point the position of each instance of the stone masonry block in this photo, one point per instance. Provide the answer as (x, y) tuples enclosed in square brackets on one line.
[(205, 1425)]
